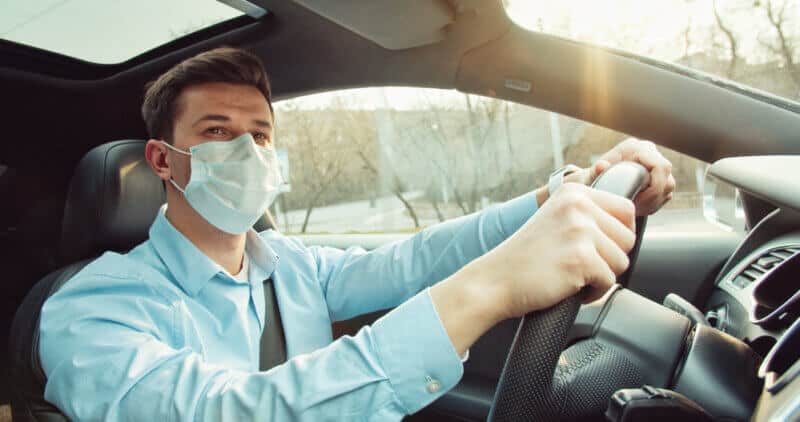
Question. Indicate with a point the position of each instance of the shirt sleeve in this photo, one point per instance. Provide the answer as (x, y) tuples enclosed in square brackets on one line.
[(106, 359), (356, 282)]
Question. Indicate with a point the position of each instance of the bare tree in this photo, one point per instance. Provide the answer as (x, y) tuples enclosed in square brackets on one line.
[(510, 145), (785, 49), (433, 143), (362, 138), (687, 39), (456, 146), (397, 187), (482, 119), (732, 44), (422, 145), (321, 156)]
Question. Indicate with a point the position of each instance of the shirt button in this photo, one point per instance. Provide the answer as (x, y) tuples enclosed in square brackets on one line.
[(433, 385)]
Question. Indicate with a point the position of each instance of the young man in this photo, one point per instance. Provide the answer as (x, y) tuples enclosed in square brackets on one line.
[(170, 330)]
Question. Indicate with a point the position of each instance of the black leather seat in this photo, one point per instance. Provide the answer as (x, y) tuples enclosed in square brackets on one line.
[(113, 198)]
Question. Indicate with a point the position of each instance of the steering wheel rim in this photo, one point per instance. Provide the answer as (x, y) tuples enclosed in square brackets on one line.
[(527, 387), (625, 278)]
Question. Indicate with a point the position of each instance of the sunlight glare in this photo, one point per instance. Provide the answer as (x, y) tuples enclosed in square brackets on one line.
[(642, 26)]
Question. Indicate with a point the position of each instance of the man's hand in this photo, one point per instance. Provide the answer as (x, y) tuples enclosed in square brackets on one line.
[(661, 185), (580, 237)]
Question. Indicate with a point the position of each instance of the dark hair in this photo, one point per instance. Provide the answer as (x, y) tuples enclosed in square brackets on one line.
[(224, 64)]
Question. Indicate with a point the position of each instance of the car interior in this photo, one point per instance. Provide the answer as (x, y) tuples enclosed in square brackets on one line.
[(707, 319)]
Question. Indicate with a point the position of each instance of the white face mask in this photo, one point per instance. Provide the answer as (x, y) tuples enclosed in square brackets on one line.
[(232, 182)]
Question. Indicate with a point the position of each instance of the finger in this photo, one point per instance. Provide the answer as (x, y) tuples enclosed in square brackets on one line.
[(646, 154), (647, 200), (654, 190), (671, 185), (662, 173), (613, 253), (622, 236), (599, 167), (651, 200), (618, 207), (658, 181), (651, 204), (599, 280), (614, 155), (594, 170)]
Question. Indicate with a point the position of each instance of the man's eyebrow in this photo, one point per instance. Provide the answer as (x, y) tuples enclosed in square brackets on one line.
[(214, 117), (262, 123)]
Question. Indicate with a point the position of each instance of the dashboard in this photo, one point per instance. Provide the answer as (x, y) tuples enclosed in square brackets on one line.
[(757, 293)]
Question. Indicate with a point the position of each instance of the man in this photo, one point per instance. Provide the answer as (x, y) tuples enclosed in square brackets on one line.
[(170, 330)]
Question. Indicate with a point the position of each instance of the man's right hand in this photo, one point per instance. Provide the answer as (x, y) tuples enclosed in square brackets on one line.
[(580, 237)]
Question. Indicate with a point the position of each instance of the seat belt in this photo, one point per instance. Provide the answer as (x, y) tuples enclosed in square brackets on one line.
[(273, 342)]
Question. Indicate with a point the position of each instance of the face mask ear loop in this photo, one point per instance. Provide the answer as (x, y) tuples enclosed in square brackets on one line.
[(176, 149), (171, 180)]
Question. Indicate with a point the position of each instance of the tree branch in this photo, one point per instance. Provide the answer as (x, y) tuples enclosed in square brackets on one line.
[(731, 41), (786, 49)]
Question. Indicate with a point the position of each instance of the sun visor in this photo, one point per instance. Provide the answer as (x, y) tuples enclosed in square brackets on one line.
[(392, 24)]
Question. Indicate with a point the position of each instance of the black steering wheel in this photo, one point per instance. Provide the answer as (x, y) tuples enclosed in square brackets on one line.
[(529, 388)]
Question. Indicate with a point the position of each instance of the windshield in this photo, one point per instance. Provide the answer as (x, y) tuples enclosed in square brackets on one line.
[(106, 31), (752, 42)]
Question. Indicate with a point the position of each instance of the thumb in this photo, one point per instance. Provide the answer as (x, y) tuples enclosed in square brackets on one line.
[(598, 167)]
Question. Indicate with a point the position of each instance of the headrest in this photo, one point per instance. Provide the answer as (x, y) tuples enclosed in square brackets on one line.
[(113, 198)]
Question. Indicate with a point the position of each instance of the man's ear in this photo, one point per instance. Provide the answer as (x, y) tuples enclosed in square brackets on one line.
[(156, 155)]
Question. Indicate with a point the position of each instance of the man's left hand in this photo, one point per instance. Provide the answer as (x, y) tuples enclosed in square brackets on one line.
[(661, 184)]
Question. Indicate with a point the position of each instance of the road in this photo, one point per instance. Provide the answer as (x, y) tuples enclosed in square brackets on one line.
[(387, 214)]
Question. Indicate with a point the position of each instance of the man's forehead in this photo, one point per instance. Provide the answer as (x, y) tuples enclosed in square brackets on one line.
[(223, 99)]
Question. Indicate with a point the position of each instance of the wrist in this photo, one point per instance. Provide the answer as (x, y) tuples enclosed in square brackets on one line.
[(468, 304), (542, 195), (557, 178), (567, 174), (486, 294)]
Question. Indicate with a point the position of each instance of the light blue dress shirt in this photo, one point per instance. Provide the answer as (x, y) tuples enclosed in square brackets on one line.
[(163, 333)]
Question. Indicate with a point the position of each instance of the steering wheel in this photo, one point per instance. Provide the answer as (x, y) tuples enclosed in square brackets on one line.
[(528, 389)]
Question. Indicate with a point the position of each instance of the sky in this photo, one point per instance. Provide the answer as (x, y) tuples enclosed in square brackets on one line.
[(657, 27), (106, 31)]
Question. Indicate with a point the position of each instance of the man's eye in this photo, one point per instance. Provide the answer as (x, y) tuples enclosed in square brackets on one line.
[(261, 138), (216, 131)]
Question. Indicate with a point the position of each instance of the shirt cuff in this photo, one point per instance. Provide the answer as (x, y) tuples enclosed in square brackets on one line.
[(416, 352), (514, 213)]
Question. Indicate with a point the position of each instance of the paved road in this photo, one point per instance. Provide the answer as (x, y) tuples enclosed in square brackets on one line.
[(388, 214)]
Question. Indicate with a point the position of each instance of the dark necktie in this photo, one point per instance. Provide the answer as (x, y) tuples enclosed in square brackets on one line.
[(273, 343)]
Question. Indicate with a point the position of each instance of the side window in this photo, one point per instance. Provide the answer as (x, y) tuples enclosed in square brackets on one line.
[(395, 160)]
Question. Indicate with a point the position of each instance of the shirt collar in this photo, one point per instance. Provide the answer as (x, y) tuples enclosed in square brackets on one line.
[(263, 258), (191, 268)]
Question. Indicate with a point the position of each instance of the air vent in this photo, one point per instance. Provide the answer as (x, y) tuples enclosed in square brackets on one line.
[(776, 293), (781, 366), (764, 264)]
